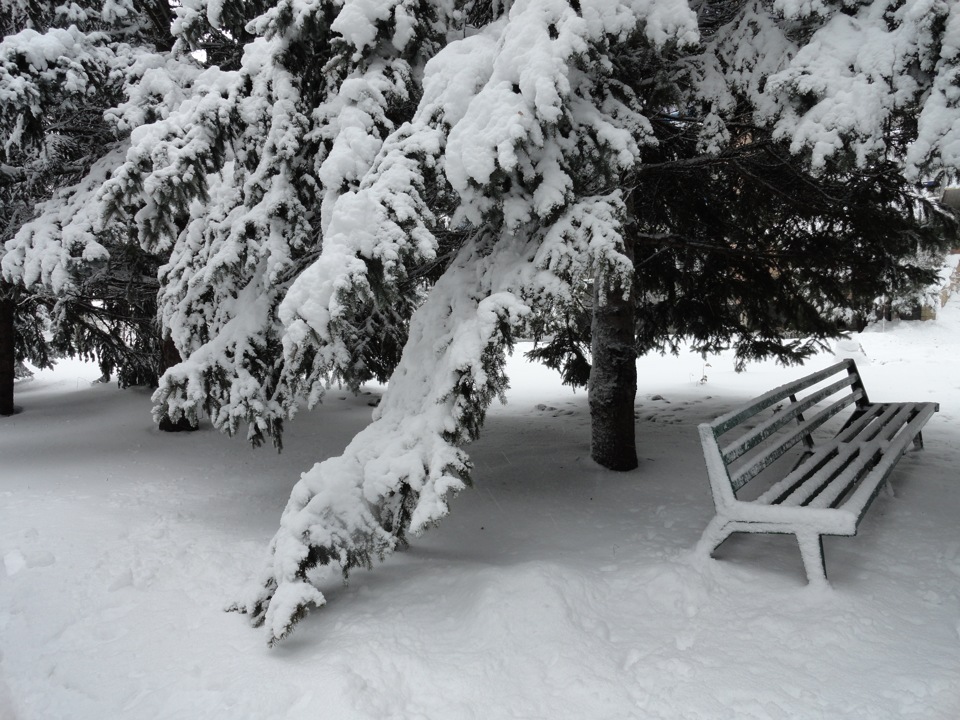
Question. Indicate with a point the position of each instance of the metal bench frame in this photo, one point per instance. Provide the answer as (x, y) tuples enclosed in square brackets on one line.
[(830, 488)]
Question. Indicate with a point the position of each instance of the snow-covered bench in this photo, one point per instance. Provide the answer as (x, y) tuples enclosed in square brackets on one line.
[(834, 481)]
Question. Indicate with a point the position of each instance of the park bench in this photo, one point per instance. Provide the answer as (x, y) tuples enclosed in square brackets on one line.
[(827, 490)]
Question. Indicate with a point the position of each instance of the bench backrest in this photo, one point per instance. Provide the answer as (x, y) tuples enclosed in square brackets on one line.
[(736, 453)]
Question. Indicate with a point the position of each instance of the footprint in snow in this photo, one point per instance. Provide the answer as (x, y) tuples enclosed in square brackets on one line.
[(665, 418), (554, 412), (15, 560)]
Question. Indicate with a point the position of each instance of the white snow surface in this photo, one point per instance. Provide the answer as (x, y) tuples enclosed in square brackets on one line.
[(554, 589)]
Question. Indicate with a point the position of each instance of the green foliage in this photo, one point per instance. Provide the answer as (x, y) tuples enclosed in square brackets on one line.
[(92, 297), (111, 317), (563, 339), (753, 251)]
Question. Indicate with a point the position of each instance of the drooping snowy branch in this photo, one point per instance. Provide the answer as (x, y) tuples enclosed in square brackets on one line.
[(847, 89), (524, 122), (75, 78), (234, 181), (396, 476), (937, 147), (836, 81), (60, 137), (53, 248), (61, 133)]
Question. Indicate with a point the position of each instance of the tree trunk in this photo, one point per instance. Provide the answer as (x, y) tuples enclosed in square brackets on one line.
[(613, 373), (170, 356), (8, 358)]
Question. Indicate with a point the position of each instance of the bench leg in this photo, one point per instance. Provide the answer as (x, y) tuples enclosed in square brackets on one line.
[(811, 550), (713, 536), (918, 441)]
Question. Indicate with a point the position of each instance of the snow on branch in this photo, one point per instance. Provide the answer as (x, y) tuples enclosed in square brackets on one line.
[(551, 94), (845, 91), (937, 146), (376, 238), (518, 128), (59, 122), (838, 82), (249, 158), (65, 235), (397, 474)]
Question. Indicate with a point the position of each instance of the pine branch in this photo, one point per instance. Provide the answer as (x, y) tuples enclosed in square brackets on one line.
[(699, 162), (14, 175)]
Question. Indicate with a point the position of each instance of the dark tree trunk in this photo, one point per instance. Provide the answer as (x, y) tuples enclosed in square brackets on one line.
[(8, 358), (613, 373), (170, 356)]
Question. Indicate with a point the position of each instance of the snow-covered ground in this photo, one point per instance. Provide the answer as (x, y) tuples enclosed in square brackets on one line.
[(553, 590)]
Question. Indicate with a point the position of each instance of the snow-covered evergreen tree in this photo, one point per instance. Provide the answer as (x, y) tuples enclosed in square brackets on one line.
[(63, 69), (327, 182), (534, 133), (236, 182)]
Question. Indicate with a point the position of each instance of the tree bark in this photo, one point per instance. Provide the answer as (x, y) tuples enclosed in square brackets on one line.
[(613, 373), (170, 356), (8, 358)]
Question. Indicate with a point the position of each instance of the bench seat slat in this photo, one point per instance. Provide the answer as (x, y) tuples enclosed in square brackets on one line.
[(823, 454), (801, 431), (753, 437), (870, 453), (815, 480), (852, 462), (730, 420), (892, 451)]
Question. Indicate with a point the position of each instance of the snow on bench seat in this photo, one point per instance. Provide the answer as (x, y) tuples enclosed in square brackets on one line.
[(834, 481)]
